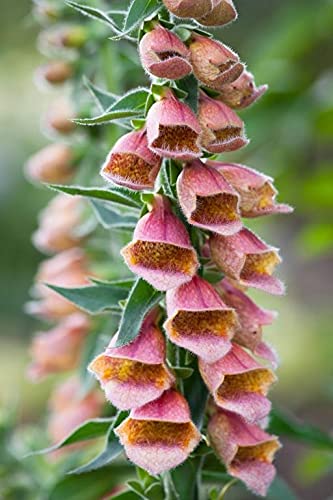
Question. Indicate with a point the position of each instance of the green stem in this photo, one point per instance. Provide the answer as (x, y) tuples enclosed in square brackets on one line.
[(226, 488)]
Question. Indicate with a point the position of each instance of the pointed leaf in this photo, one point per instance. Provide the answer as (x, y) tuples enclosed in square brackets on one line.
[(103, 98), (117, 195), (196, 394), (138, 11), (94, 13), (109, 218)]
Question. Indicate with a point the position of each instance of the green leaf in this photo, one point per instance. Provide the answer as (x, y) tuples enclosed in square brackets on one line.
[(287, 425), (111, 451), (182, 372), (196, 394), (94, 13), (91, 429), (142, 298), (103, 98), (126, 495), (130, 105), (118, 195), (109, 218), (139, 11), (280, 489), (185, 479), (190, 85), (93, 299)]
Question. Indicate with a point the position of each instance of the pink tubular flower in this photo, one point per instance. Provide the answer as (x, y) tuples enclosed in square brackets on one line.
[(131, 163), (58, 349), (135, 374), (173, 130), (239, 384), (199, 321), (247, 259), (213, 63), (68, 409), (164, 55), (242, 92), (189, 8), (57, 224), (207, 200), (223, 130), (256, 190), (246, 450), (251, 318), (223, 12), (161, 250), (54, 72), (67, 269), (51, 164), (160, 435)]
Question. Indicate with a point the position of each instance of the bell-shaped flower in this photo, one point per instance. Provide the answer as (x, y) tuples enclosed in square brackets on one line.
[(164, 55), (213, 63), (251, 318), (131, 163), (173, 129), (256, 190), (189, 8), (239, 384), (58, 349), (247, 259), (135, 374), (160, 435), (199, 321), (52, 164), (246, 450), (223, 12), (207, 200), (242, 92), (223, 130), (67, 269), (58, 224), (161, 250)]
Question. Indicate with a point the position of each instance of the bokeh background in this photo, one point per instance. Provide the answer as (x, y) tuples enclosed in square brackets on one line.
[(288, 45)]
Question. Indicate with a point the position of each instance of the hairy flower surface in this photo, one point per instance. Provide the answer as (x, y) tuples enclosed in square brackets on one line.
[(207, 200), (58, 349), (173, 129), (242, 92), (161, 250), (160, 435), (135, 374), (247, 259), (246, 450), (199, 321), (57, 224), (164, 55), (51, 164), (251, 318), (131, 163), (256, 190), (223, 130), (239, 384), (213, 63), (223, 12), (188, 8)]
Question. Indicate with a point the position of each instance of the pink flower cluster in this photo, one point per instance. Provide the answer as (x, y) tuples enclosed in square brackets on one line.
[(220, 324)]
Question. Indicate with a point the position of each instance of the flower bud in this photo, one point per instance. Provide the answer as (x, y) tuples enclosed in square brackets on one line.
[(189, 8), (160, 435), (161, 250), (251, 318), (213, 63), (223, 130), (223, 12), (207, 200), (242, 92), (256, 190), (247, 259), (246, 450), (239, 384), (173, 129), (135, 374), (164, 55), (54, 72), (57, 224), (58, 349), (199, 321), (52, 164), (58, 117), (130, 163)]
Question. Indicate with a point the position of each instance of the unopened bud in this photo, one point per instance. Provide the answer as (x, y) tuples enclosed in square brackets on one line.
[(223, 12), (189, 8)]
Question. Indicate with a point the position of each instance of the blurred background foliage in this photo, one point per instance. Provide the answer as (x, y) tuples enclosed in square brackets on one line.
[(288, 45)]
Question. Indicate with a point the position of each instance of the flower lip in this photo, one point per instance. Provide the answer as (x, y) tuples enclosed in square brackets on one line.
[(223, 13), (207, 200), (131, 163)]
